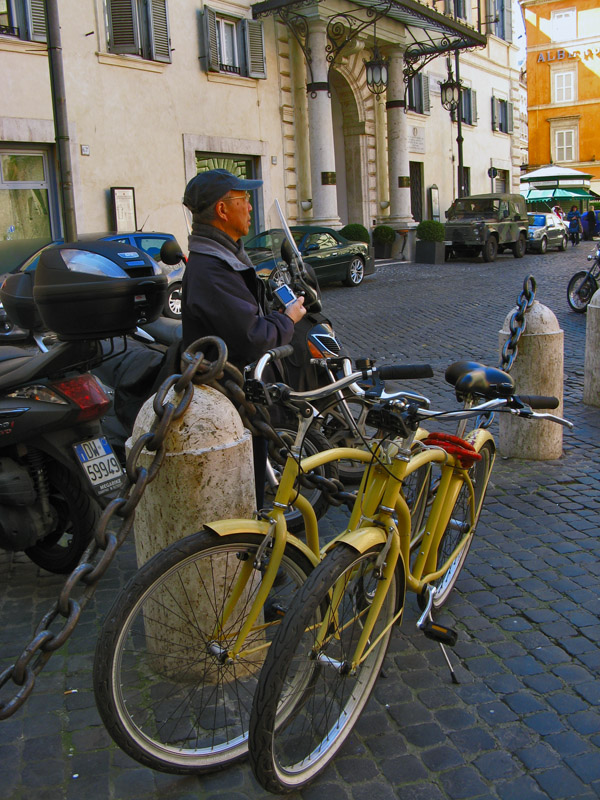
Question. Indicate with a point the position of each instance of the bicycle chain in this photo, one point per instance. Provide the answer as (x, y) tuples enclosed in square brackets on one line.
[(218, 374)]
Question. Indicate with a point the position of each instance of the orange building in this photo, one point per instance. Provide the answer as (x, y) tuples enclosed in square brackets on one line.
[(563, 84)]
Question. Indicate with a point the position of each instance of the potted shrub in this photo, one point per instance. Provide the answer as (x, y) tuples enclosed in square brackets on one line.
[(355, 232), (430, 248), (383, 239)]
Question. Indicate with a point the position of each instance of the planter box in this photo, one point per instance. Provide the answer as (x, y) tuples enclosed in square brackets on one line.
[(430, 252), (383, 249)]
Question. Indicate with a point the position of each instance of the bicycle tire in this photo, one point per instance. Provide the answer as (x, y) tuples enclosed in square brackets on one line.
[(479, 473), (580, 290), (340, 433), (161, 687), (288, 751)]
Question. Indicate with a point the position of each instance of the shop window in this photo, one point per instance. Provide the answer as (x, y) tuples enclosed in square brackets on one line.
[(25, 19), (233, 45), (139, 28), (25, 206)]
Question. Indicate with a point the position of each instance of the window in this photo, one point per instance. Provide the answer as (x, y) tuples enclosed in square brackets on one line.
[(563, 87), (456, 8), (139, 28), (468, 99), (418, 94), (499, 18), (25, 211), (233, 45), (25, 19), (564, 145), (502, 115), (563, 25)]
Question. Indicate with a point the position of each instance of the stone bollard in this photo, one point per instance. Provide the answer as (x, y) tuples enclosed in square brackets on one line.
[(591, 378), (207, 474), (537, 369)]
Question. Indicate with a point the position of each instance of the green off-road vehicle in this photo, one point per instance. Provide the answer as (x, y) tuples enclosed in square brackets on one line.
[(487, 224)]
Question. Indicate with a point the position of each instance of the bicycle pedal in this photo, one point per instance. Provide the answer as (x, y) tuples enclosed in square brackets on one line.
[(274, 611), (439, 633)]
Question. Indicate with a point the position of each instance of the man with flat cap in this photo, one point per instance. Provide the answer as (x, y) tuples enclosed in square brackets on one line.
[(221, 294)]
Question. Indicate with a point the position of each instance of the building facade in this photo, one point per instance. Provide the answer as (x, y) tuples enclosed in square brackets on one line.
[(563, 81), (156, 91)]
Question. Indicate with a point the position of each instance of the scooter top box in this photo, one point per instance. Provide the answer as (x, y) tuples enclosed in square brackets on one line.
[(94, 290)]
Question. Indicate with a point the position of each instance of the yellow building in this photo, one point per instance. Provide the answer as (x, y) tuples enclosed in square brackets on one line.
[(563, 83)]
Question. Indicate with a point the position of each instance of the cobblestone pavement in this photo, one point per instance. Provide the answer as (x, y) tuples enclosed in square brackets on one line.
[(523, 723)]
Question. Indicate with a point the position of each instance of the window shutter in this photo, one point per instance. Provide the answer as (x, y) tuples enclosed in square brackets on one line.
[(495, 114), (255, 48), (426, 103), (211, 44), (506, 10), (158, 21), (123, 27), (474, 107), (510, 117), (36, 20)]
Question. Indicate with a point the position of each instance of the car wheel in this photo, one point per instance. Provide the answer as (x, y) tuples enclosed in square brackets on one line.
[(520, 246), (490, 249), (563, 243), (356, 272), (172, 307), (543, 245)]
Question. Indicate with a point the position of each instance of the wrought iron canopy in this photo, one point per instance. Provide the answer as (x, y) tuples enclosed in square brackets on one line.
[(429, 32)]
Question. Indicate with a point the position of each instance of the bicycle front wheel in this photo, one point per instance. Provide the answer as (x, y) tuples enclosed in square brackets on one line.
[(323, 692), (460, 523), (165, 688)]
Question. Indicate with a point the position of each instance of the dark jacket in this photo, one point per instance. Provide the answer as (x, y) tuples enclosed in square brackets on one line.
[(222, 296)]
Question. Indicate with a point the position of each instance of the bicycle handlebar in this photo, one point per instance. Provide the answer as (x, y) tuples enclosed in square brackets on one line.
[(539, 401)]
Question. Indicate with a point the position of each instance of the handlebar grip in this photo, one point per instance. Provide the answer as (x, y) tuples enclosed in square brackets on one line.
[(283, 351), (539, 401), (402, 372)]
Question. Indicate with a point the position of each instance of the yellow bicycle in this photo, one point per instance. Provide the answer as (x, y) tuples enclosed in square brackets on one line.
[(179, 654), (327, 653)]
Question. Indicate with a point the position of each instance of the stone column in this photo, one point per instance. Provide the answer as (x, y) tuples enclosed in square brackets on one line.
[(383, 188), (302, 160), (320, 132), (398, 161)]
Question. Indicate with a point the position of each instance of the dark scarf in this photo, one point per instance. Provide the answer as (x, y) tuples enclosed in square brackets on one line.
[(222, 238)]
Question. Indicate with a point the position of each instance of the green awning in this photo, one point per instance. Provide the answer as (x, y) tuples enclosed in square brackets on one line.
[(543, 195)]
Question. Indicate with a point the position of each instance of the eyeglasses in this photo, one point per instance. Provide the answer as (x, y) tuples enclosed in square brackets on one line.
[(245, 197)]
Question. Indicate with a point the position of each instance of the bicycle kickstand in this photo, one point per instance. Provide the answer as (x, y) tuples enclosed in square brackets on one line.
[(438, 633)]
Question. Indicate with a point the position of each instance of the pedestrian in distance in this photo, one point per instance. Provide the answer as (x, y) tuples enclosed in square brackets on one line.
[(575, 227), (591, 224), (221, 293)]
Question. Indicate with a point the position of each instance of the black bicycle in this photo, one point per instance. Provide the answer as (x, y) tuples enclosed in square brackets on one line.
[(584, 283)]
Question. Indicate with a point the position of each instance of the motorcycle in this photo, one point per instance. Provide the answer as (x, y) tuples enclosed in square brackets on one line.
[(584, 284), (57, 468)]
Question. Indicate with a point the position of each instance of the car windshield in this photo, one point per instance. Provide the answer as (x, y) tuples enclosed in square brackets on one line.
[(537, 220), (469, 208)]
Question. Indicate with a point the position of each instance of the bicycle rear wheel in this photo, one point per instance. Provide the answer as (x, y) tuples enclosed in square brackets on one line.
[(324, 695), (163, 684), (459, 524)]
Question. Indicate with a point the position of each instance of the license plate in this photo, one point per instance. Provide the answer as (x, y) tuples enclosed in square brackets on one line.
[(100, 464)]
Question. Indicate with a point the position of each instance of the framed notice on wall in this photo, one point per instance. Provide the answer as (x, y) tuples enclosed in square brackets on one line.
[(123, 208), (434, 202)]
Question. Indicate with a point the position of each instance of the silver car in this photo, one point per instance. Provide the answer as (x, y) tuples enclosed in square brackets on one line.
[(546, 230)]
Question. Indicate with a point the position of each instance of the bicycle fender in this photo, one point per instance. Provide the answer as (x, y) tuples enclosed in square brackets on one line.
[(479, 437), (227, 527), (360, 539)]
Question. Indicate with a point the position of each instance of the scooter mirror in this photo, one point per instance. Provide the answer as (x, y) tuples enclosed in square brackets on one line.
[(171, 253)]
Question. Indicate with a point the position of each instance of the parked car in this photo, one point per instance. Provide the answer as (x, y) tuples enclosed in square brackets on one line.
[(487, 224), (148, 242), (546, 230), (332, 257)]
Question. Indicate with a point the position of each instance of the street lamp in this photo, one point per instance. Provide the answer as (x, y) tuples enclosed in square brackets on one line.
[(451, 90), (376, 69)]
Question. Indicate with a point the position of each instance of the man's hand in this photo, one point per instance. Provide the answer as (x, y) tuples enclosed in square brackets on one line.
[(296, 311)]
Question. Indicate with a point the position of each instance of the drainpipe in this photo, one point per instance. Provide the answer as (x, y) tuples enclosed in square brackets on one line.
[(61, 124)]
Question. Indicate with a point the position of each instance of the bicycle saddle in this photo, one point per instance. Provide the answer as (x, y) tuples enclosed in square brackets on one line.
[(472, 378)]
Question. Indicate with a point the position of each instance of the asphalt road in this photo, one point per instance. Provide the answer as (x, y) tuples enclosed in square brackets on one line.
[(523, 723)]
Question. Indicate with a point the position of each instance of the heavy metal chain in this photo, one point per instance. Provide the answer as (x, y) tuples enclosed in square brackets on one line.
[(81, 584), (517, 323)]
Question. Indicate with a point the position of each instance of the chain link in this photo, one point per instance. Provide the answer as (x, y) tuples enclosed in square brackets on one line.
[(517, 323), (196, 369)]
